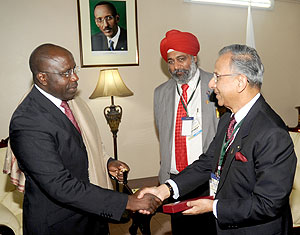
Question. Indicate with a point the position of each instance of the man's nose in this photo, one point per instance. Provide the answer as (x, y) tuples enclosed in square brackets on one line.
[(212, 83), (177, 65), (74, 77), (105, 24)]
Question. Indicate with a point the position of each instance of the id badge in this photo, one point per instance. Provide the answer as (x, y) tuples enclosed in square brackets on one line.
[(187, 124), (196, 128), (213, 184)]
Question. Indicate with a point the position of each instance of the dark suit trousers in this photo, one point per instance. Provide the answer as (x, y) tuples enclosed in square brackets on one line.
[(81, 225), (193, 224)]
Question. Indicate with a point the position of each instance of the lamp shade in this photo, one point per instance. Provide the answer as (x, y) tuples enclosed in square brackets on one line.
[(110, 83)]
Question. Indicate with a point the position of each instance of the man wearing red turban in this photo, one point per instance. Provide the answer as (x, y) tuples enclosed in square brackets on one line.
[(185, 119)]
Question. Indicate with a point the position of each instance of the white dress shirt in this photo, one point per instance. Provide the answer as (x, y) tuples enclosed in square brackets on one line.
[(53, 99), (194, 141), (115, 38)]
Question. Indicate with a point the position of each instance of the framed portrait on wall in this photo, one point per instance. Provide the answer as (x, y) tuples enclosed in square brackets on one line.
[(108, 33)]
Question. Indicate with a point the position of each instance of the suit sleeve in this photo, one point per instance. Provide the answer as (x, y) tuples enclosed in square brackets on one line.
[(272, 168), (39, 155), (197, 173)]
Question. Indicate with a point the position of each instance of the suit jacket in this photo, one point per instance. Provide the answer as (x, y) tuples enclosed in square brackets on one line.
[(59, 199), (253, 193), (164, 108), (99, 42)]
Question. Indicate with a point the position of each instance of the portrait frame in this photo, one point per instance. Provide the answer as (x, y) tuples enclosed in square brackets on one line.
[(92, 58)]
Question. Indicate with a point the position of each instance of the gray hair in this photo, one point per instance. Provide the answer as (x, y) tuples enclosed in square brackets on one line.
[(245, 60)]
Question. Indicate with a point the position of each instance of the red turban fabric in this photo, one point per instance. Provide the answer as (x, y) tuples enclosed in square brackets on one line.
[(179, 41)]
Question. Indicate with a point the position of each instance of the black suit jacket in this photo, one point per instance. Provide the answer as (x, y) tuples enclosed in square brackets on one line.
[(50, 151), (99, 42), (253, 195)]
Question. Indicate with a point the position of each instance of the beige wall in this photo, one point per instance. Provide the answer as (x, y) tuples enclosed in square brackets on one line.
[(26, 24)]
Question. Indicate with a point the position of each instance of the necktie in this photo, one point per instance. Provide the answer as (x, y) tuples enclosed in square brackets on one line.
[(230, 129), (69, 114), (111, 45), (229, 137), (180, 141)]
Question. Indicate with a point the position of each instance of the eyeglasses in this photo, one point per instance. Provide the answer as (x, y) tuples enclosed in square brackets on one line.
[(217, 76), (106, 18), (68, 73)]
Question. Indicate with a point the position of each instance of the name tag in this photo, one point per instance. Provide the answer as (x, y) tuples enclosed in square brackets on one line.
[(187, 124), (213, 184)]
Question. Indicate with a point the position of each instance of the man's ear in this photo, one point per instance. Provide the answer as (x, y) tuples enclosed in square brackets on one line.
[(195, 58), (117, 18), (42, 78), (242, 82)]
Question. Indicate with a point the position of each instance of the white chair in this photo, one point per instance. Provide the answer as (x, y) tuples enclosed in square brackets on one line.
[(295, 195), (10, 201)]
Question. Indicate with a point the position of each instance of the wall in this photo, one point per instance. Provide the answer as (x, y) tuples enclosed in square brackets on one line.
[(26, 24)]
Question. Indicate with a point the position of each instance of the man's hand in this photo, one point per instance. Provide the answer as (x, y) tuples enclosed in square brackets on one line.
[(116, 169), (162, 192), (148, 204), (199, 206)]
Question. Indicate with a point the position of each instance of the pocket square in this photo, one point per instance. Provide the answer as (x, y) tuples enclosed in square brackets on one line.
[(240, 157)]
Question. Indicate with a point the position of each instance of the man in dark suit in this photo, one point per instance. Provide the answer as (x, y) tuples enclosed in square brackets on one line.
[(49, 147), (111, 36), (252, 171)]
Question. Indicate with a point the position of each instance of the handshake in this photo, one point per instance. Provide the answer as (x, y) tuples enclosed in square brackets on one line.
[(147, 200)]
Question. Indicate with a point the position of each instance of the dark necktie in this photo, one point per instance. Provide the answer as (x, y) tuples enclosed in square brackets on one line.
[(111, 45), (229, 137), (230, 129), (69, 114), (180, 141)]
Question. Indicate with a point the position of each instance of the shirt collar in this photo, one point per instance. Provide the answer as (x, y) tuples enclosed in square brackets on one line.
[(193, 82), (53, 99), (114, 38), (239, 115)]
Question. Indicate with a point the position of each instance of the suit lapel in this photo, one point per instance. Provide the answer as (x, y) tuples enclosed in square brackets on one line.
[(206, 113), (169, 107), (54, 114), (237, 144), (122, 42)]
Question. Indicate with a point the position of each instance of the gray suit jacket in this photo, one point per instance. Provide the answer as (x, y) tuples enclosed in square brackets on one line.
[(164, 104)]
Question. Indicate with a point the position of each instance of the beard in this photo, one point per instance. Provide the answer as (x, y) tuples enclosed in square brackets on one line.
[(187, 75)]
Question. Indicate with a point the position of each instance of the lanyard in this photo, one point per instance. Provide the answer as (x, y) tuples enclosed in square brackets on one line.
[(225, 146), (184, 104)]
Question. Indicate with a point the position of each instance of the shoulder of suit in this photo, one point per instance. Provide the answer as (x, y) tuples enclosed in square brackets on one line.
[(98, 35), (205, 76), (123, 31), (166, 85)]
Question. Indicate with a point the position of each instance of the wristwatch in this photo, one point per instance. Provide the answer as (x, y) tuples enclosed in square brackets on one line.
[(170, 189)]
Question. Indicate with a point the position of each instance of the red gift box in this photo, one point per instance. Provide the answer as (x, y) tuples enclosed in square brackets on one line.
[(181, 205)]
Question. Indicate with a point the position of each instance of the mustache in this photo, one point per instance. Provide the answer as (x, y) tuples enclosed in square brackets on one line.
[(75, 85), (108, 28), (185, 71)]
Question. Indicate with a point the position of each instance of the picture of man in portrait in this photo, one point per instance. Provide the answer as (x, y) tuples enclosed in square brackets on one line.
[(111, 37)]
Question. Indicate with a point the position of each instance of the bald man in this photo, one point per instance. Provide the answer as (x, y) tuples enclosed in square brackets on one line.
[(48, 144), (184, 138)]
